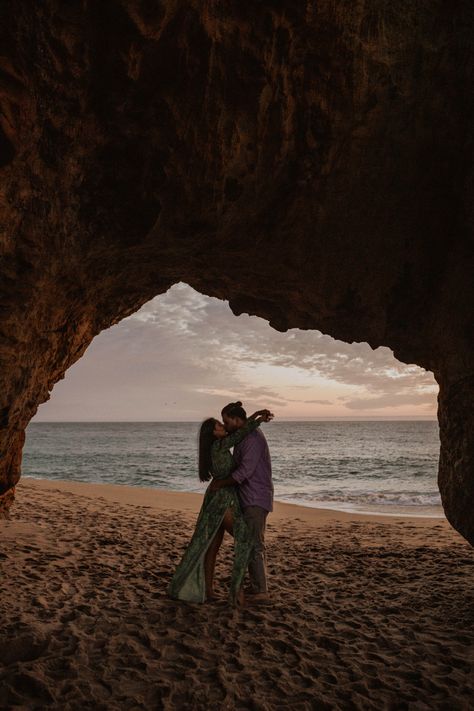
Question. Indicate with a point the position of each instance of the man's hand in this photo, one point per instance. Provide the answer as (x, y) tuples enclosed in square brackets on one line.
[(217, 484)]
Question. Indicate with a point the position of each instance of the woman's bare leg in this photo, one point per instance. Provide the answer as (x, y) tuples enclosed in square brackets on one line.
[(228, 522), (210, 562)]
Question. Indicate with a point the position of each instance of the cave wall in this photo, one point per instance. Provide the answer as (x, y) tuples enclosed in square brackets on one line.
[(309, 161)]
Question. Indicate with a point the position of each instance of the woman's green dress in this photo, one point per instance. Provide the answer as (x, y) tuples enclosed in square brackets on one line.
[(188, 582)]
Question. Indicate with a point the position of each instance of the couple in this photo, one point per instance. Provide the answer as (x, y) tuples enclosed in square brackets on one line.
[(238, 500)]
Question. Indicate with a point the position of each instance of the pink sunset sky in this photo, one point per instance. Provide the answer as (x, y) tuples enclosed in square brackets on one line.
[(184, 355)]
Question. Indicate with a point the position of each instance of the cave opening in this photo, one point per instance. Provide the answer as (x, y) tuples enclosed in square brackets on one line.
[(355, 429)]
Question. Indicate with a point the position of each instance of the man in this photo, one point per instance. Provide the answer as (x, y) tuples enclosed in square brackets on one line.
[(253, 476)]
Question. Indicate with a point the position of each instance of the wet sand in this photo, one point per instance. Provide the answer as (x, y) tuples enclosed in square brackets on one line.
[(368, 612)]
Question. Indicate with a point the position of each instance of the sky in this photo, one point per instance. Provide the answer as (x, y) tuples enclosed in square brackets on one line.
[(184, 355)]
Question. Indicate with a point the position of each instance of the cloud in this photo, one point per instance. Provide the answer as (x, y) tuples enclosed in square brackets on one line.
[(389, 400)]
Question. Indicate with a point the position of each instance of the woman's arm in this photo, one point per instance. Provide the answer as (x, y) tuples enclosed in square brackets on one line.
[(237, 437)]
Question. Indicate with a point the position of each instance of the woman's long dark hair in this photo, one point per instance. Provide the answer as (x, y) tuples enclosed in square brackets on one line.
[(206, 438)]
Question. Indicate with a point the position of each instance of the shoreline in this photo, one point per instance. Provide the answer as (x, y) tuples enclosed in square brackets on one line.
[(398, 511), (157, 491)]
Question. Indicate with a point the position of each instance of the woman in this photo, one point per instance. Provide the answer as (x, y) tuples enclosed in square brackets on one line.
[(193, 579)]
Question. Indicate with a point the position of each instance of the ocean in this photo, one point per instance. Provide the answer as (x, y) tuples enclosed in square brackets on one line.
[(387, 467)]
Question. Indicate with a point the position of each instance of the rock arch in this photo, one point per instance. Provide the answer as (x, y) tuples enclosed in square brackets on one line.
[(308, 161)]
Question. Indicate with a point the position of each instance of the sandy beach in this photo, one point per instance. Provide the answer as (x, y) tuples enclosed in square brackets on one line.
[(368, 612)]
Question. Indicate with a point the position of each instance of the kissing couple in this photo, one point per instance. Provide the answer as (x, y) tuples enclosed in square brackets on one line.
[(238, 501)]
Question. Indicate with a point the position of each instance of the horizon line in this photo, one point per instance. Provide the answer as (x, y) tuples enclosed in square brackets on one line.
[(368, 418)]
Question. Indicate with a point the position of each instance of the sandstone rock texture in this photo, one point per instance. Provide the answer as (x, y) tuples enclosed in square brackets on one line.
[(309, 161)]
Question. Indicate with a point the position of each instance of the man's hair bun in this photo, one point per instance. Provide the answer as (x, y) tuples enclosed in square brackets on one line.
[(234, 409)]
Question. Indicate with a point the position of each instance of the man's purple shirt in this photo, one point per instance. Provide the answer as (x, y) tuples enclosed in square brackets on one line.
[(254, 471)]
